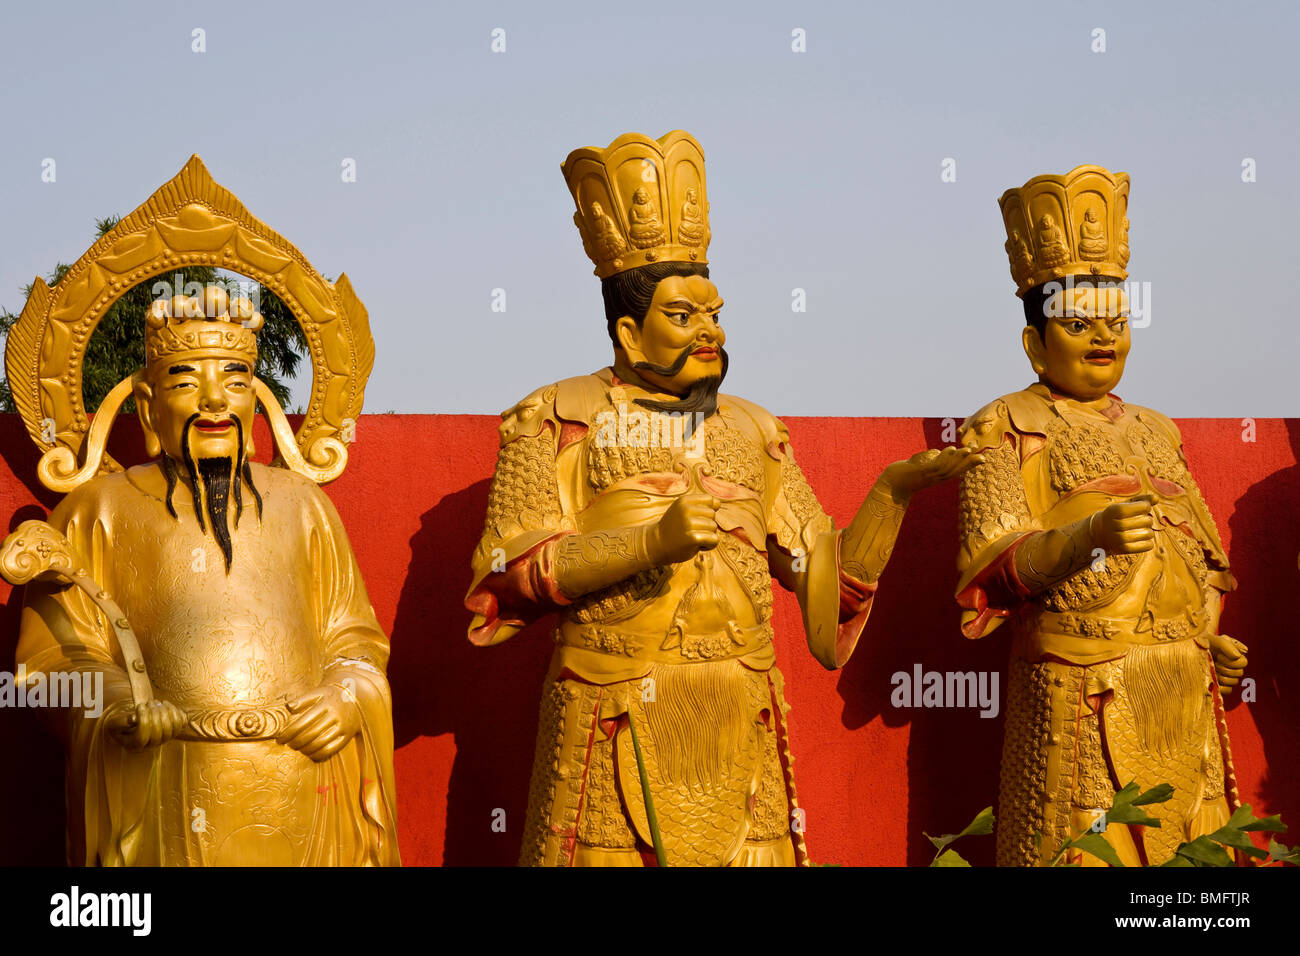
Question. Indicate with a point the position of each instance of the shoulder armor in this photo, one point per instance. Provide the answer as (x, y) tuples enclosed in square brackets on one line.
[(1151, 416), (525, 419), (1026, 412), (572, 399), (579, 398), (775, 434)]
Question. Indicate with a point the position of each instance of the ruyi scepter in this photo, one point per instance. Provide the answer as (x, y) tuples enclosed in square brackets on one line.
[(37, 551)]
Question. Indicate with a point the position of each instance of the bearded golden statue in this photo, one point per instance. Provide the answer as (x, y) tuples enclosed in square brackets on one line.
[(246, 717), (652, 513), (1084, 532)]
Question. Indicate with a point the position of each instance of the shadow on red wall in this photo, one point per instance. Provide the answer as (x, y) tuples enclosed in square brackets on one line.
[(871, 776)]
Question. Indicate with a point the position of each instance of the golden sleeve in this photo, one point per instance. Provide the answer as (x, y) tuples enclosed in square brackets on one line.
[(995, 519), (61, 629), (1203, 526), (804, 554), (514, 564), (348, 626)]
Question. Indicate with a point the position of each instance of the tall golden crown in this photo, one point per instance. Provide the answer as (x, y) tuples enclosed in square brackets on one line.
[(1070, 225), (183, 324), (640, 201)]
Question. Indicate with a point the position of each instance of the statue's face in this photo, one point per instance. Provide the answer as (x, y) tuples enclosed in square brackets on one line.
[(194, 401), (1084, 345), (683, 318)]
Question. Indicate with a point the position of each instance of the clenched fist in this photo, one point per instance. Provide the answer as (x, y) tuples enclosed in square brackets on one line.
[(690, 525), (1229, 661), (1125, 527), (150, 724)]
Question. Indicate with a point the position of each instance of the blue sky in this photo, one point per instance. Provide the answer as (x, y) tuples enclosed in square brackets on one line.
[(824, 174)]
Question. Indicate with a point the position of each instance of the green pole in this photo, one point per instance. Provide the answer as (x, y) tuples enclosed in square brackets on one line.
[(651, 817)]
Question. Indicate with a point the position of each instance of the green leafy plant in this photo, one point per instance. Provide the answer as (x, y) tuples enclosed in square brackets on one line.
[(1208, 850), (982, 825)]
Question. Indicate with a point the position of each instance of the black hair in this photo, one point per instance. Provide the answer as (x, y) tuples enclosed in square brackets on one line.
[(1036, 299), (629, 293)]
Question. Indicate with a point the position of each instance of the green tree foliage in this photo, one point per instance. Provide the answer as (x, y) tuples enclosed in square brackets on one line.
[(116, 349)]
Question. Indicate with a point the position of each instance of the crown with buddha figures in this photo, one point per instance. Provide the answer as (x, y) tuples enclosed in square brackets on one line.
[(213, 322), (640, 201), (1071, 225)]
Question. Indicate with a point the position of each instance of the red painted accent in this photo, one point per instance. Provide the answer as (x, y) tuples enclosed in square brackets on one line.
[(571, 432), (798, 839), (1115, 485), (571, 836), (871, 777)]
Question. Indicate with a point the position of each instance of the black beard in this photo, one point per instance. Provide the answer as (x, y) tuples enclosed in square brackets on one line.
[(215, 479), (703, 395)]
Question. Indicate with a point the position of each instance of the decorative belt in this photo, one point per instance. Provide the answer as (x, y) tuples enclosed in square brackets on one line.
[(677, 647), (1107, 629), (256, 723)]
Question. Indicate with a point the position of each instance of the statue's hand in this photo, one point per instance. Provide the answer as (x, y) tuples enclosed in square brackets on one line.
[(324, 721), (1229, 661), (1125, 527), (688, 526), (150, 724), (928, 468)]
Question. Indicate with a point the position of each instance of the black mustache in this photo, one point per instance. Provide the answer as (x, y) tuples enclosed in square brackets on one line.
[(668, 371), (703, 395)]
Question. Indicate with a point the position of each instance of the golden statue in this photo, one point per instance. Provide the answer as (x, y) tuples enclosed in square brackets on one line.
[(246, 716), (1084, 529), (652, 513), (1092, 237)]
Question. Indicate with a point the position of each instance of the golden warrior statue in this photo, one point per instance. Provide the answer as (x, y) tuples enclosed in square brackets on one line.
[(1083, 528), (652, 513), (246, 716)]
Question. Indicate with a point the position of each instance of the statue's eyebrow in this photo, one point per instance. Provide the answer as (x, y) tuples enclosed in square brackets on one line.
[(236, 367), (177, 369)]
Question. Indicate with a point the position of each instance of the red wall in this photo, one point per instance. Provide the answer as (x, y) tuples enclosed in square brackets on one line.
[(870, 777)]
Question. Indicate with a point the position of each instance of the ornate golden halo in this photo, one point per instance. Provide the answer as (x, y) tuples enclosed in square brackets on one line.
[(190, 220)]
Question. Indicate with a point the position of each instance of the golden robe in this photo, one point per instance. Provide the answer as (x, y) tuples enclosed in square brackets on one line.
[(230, 649), (1110, 679), (684, 652)]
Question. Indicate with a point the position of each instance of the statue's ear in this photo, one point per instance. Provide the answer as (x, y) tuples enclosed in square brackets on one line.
[(143, 395), (629, 337), (1035, 349)]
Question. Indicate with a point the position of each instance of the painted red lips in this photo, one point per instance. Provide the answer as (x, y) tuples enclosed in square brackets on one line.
[(214, 426)]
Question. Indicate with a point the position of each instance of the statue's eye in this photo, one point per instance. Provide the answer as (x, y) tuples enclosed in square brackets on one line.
[(717, 317), (679, 318)]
